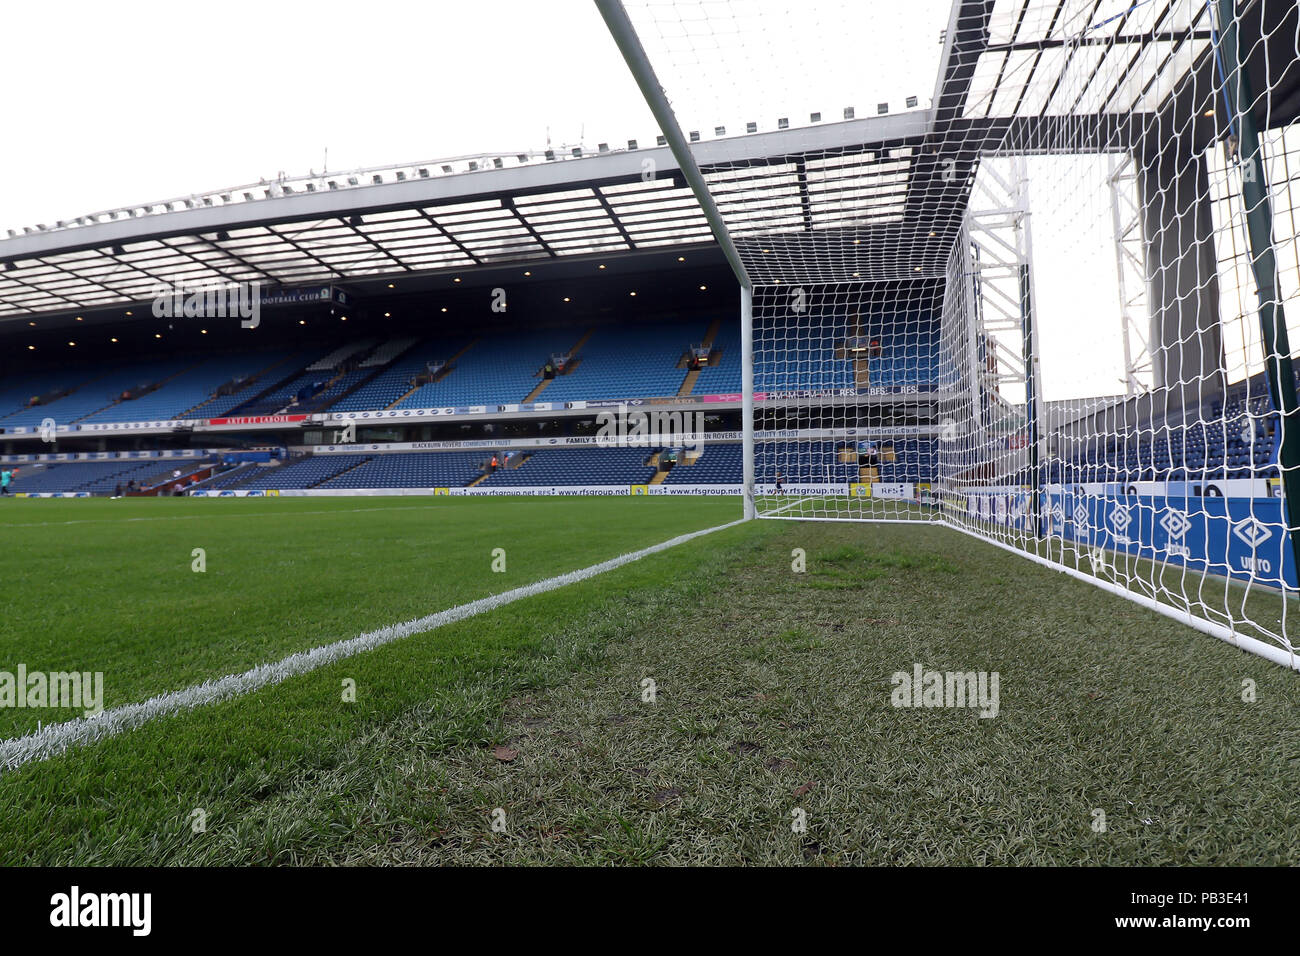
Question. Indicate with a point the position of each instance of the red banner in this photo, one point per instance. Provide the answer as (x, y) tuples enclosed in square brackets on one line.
[(258, 420)]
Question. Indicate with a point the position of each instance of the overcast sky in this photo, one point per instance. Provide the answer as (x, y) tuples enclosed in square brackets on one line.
[(119, 103), (113, 104)]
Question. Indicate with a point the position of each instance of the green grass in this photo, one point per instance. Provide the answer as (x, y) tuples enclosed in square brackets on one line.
[(110, 586), (772, 695)]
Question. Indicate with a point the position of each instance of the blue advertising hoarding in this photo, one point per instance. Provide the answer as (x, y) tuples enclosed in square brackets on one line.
[(1242, 538)]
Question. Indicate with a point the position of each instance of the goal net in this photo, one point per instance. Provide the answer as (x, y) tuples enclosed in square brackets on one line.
[(1018, 267)]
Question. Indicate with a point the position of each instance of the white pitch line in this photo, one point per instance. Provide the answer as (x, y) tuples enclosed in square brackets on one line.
[(56, 738)]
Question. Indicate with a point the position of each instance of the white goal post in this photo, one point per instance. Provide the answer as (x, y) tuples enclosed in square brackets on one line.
[(1040, 300)]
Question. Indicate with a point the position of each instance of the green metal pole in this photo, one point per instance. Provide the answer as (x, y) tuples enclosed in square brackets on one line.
[(1259, 228), (1031, 401)]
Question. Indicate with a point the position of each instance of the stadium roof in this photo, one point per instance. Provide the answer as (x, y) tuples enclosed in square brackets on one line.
[(612, 203), (1119, 56)]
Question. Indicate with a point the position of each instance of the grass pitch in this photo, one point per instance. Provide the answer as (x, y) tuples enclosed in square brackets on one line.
[(772, 696), (111, 586)]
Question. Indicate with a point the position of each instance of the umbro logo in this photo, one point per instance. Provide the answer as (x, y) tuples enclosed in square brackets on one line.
[(1252, 531), (1120, 518), (1175, 523)]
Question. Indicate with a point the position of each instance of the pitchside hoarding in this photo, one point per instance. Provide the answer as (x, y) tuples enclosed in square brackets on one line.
[(1241, 537)]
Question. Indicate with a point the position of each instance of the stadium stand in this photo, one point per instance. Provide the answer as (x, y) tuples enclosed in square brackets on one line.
[(303, 473), (819, 461), (413, 470), (395, 382), (346, 351), (914, 460), (182, 392), (908, 357), (99, 393), (716, 465), (1232, 437), (809, 362), (97, 477), (498, 369), (228, 478), (272, 367), (578, 466), (614, 362), (723, 378), (609, 362), (631, 362), (336, 388), (385, 352), (18, 390), (297, 388)]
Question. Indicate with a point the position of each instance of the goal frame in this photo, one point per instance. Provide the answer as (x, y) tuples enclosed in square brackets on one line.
[(1239, 107)]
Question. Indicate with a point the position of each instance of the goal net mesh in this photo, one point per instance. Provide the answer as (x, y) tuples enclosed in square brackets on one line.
[(1022, 267)]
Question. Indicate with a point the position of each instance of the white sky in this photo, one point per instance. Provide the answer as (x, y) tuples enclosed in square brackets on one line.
[(115, 104), (112, 104)]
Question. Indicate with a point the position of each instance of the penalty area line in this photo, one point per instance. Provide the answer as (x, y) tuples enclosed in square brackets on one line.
[(54, 739)]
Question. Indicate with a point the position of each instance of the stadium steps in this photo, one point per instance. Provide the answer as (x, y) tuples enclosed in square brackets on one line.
[(338, 474), (253, 380), (345, 352), (568, 370), (515, 461), (687, 459), (654, 461), (158, 385), (238, 473), (693, 376), (289, 363), (532, 396), (451, 362), (338, 374), (861, 372), (861, 366), (377, 371), (121, 473), (162, 479), (255, 470)]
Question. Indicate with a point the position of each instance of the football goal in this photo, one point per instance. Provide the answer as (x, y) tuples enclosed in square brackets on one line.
[(1021, 268)]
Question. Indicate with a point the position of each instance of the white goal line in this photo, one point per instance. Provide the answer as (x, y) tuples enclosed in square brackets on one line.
[(1272, 652)]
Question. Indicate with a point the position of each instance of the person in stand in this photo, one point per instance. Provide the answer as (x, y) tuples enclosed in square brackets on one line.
[(780, 482), (117, 490), (493, 466), (178, 489)]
